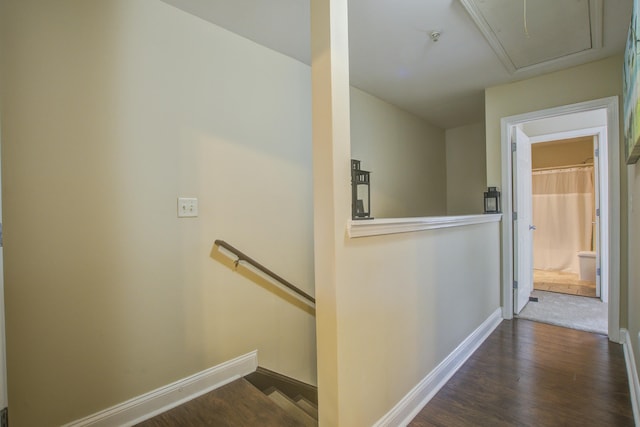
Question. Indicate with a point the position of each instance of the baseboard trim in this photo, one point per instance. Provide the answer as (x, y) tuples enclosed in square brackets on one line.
[(421, 394), (264, 379), (632, 374), (164, 398)]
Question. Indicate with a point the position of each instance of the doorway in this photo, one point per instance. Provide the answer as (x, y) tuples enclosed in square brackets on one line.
[(518, 230), (565, 204), (565, 211)]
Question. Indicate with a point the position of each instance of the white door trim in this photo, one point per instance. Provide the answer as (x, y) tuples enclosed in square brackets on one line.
[(603, 170), (597, 130), (610, 104)]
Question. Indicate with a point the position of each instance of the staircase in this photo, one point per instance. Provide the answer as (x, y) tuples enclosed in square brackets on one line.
[(262, 398), (298, 399)]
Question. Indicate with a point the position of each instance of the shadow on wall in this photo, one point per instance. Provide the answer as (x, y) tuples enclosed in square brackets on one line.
[(258, 279)]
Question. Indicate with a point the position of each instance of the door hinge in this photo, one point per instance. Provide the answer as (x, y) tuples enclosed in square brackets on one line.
[(597, 152), (515, 284), (598, 271), (598, 212), (4, 417), (515, 216), (513, 147)]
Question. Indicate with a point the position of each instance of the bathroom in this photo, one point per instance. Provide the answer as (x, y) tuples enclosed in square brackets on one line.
[(564, 214), (569, 179), (566, 291)]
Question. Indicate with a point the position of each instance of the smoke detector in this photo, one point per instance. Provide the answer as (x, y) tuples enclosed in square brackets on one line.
[(435, 35)]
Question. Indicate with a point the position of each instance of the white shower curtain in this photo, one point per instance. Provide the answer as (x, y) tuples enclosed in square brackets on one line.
[(563, 213)]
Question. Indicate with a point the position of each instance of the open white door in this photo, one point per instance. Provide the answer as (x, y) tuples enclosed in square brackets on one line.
[(522, 227), (596, 221)]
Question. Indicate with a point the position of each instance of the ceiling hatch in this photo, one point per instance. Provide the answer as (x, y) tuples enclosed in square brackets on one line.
[(527, 34)]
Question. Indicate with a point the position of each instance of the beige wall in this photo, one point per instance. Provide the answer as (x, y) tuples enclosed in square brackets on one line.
[(634, 256), (405, 154), (390, 308), (595, 80), (562, 153), (590, 81), (466, 169), (405, 302), (111, 110)]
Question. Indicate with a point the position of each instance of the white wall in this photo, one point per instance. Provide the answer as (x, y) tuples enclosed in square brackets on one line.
[(405, 154), (466, 169), (110, 111)]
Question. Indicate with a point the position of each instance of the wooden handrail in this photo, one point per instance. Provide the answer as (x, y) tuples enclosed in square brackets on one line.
[(242, 257)]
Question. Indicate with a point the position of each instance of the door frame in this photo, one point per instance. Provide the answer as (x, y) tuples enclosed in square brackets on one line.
[(603, 191), (612, 151)]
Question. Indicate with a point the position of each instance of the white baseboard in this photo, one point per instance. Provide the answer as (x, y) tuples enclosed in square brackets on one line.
[(164, 398), (420, 395), (632, 374)]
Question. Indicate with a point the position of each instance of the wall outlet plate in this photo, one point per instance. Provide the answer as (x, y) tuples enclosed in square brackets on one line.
[(187, 207)]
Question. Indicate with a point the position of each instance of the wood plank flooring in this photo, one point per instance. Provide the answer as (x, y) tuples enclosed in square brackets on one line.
[(533, 374)]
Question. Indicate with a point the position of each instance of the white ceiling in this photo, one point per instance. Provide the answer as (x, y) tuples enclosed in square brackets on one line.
[(506, 23), (393, 58)]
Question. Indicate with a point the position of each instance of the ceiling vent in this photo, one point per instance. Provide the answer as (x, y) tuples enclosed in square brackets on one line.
[(538, 34)]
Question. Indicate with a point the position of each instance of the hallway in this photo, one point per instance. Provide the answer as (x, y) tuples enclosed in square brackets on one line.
[(533, 374)]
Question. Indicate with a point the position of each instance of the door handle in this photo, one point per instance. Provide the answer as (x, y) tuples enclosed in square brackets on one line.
[(532, 227)]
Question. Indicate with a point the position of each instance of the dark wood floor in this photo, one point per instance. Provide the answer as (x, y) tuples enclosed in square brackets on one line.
[(525, 374), (533, 374)]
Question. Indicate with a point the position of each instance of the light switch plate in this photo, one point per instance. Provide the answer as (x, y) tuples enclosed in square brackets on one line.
[(187, 207)]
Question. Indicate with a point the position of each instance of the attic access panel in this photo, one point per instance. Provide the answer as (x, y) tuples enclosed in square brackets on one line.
[(527, 34)]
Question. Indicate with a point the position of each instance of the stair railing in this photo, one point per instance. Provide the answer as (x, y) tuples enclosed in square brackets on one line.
[(241, 257)]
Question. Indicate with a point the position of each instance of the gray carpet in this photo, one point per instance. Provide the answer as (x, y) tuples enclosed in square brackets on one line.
[(571, 311)]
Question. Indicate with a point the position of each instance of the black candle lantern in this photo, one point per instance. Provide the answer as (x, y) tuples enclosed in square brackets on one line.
[(492, 200), (360, 192)]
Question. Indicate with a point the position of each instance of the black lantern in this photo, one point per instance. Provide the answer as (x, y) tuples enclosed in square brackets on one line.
[(360, 192), (492, 200)]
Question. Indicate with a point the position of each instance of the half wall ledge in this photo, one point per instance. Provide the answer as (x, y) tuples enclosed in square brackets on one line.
[(377, 227)]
